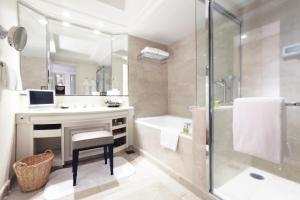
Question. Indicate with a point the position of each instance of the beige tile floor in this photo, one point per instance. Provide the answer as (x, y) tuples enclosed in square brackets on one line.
[(148, 183)]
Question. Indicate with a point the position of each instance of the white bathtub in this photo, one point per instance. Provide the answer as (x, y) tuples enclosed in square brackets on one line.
[(185, 163), (160, 122)]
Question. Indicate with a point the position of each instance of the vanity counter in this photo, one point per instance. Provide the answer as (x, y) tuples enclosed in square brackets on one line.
[(73, 111), (39, 129)]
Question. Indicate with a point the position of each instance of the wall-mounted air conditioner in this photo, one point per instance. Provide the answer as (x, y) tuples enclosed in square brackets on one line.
[(291, 51)]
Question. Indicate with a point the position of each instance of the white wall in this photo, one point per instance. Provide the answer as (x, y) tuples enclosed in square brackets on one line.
[(9, 100)]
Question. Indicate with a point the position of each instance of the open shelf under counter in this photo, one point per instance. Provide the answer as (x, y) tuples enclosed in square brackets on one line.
[(120, 135), (46, 133), (119, 126)]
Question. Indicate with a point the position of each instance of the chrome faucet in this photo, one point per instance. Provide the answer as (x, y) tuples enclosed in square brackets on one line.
[(223, 83)]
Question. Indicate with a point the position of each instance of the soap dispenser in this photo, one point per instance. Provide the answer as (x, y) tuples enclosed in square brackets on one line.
[(186, 128)]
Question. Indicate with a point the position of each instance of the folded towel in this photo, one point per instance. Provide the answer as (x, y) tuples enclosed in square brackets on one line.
[(155, 51), (258, 127), (169, 138)]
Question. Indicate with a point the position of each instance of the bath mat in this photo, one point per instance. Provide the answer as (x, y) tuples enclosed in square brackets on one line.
[(89, 176)]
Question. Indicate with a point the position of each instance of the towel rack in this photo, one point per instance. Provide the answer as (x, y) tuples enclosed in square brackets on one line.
[(292, 104)]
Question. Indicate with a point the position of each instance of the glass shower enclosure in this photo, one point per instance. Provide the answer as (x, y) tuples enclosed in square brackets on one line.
[(249, 44)]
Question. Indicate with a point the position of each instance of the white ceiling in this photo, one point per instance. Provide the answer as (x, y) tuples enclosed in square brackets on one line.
[(120, 4), (163, 21), (235, 5)]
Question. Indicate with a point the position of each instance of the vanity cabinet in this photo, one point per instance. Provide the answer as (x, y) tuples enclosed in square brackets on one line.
[(38, 130)]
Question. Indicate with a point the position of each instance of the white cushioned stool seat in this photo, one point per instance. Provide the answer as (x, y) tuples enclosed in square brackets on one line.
[(91, 139)]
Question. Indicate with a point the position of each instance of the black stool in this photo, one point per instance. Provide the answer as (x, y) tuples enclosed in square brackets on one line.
[(91, 140)]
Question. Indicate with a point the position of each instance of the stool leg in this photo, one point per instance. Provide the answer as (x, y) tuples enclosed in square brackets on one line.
[(75, 165), (111, 158), (105, 154)]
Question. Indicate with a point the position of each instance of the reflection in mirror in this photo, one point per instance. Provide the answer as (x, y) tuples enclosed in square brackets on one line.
[(85, 62), (77, 55), (120, 63), (33, 58), (71, 59)]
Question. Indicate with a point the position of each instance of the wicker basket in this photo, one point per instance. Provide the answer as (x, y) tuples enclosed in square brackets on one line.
[(32, 172)]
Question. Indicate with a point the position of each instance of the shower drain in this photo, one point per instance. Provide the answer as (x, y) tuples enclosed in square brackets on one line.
[(257, 176)]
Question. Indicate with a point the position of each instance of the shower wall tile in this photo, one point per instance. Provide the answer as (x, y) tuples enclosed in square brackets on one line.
[(290, 86), (182, 76), (202, 63), (157, 88), (148, 80), (261, 61)]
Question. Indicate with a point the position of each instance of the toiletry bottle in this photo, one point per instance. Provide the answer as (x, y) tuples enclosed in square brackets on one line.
[(186, 129)]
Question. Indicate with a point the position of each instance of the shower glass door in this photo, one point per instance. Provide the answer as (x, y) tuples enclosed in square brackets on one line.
[(246, 41), (226, 36), (225, 57)]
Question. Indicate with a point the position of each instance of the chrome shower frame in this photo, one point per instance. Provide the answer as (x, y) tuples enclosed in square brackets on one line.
[(213, 6)]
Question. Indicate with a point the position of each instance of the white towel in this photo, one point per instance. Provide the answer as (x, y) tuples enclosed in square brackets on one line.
[(169, 138), (155, 51), (258, 127)]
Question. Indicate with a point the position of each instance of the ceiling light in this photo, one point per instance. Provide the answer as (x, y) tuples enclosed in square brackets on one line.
[(100, 24), (66, 23), (244, 36), (66, 14), (43, 21), (96, 32)]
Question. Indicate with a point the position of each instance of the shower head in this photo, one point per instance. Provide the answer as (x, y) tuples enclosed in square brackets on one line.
[(230, 77)]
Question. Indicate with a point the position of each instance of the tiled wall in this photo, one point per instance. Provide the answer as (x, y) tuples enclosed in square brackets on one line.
[(261, 61), (182, 76), (148, 80), (290, 84), (157, 88)]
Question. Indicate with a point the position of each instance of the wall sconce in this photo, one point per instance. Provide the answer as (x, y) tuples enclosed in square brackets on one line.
[(16, 36)]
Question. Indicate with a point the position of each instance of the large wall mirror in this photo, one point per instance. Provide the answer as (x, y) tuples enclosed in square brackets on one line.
[(34, 66), (71, 59)]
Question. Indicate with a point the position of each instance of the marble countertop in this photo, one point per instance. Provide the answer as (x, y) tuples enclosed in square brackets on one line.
[(78, 110)]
